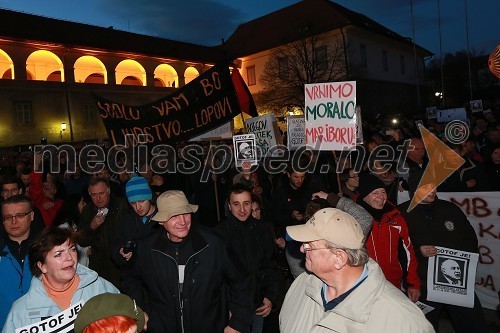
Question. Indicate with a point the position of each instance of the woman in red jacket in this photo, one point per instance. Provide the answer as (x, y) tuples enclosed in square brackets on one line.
[(388, 229)]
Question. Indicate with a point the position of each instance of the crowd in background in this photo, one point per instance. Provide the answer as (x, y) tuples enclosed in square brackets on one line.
[(109, 226)]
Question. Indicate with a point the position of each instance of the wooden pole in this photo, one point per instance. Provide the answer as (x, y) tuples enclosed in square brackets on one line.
[(210, 156), (336, 167)]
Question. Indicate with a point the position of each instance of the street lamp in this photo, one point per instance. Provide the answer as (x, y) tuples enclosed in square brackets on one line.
[(63, 128)]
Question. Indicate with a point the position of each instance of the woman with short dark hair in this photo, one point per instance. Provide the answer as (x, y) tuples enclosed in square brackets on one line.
[(59, 287)]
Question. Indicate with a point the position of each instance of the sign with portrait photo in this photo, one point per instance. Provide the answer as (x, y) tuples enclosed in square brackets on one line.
[(451, 277), (245, 150)]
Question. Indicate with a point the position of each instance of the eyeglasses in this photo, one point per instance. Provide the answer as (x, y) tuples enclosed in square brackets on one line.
[(10, 191), (9, 218), (307, 247)]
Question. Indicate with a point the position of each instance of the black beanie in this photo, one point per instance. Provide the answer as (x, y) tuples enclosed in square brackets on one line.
[(367, 184)]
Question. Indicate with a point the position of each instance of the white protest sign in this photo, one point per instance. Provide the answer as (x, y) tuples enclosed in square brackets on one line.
[(476, 105), (330, 112), (424, 307), (295, 132), (222, 132), (431, 112), (263, 129), (245, 151), (483, 211), (451, 114), (451, 276), (63, 322)]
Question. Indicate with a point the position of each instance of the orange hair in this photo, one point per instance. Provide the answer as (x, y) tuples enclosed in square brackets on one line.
[(115, 324)]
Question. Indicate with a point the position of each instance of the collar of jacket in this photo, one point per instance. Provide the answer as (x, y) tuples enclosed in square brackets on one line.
[(357, 306), (194, 239), (250, 223)]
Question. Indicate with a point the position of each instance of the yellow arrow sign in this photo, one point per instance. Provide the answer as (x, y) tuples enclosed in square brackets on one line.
[(443, 161)]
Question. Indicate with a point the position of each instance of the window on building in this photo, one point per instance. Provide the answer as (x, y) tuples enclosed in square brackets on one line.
[(362, 52), (385, 64), (283, 67), (251, 81), (89, 113), (321, 57), (402, 63), (23, 113)]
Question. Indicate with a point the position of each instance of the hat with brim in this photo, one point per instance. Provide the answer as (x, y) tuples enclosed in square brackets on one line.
[(330, 224), (172, 203), (108, 305)]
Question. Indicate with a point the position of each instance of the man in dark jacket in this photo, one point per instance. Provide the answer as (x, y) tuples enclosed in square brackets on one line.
[(188, 273), (252, 241), (434, 222), (97, 227)]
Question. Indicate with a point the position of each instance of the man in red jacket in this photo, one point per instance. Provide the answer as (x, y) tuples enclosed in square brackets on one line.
[(388, 229), (43, 193)]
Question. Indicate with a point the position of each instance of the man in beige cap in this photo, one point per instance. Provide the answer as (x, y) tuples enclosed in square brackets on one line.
[(188, 274), (347, 291)]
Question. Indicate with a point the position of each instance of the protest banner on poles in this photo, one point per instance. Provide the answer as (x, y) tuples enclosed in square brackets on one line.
[(483, 211), (330, 114), (205, 103), (263, 129), (295, 132)]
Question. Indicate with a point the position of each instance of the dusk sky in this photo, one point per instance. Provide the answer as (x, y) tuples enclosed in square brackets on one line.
[(206, 22)]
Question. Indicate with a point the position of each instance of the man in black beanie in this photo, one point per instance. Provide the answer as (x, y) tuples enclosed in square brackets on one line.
[(388, 228)]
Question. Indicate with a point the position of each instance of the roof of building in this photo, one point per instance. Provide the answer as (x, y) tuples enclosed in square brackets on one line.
[(305, 18), (28, 27)]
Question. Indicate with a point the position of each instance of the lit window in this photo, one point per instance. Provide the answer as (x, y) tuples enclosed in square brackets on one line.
[(23, 113), (251, 76)]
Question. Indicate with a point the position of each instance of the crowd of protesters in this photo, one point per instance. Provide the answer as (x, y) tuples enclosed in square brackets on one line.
[(220, 255)]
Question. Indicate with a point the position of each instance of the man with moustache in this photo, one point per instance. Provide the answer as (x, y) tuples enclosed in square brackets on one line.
[(251, 239)]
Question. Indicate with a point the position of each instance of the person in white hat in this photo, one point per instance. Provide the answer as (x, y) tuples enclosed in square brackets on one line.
[(344, 290), (188, 274)]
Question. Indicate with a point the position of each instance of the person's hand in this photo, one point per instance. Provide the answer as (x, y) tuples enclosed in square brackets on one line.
[(428, 250), (47, 205), (97, 221), (471, 183), (280, 242), (340, 194), (146, 319), (125, 256), (229, 329), (265, 309), (37, 159), (320, 195), (413, 294), (296, 215)]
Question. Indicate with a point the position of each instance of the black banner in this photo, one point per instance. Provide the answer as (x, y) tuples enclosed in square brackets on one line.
[(205, 103)]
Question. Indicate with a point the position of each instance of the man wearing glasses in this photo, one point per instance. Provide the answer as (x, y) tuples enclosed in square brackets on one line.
[(344, 290), (15, 277)]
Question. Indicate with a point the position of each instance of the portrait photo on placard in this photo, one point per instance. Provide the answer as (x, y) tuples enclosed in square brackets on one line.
[(451, 271)]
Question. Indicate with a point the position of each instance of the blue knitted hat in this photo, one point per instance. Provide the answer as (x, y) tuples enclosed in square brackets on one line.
[(137, 189)]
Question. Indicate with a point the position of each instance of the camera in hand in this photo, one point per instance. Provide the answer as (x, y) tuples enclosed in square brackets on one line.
[(129, 246)]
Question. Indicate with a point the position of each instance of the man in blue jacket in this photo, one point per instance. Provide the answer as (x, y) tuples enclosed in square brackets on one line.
[(15, 276)]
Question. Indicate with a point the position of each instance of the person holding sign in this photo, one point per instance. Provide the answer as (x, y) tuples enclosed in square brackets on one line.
[(434, 222), (58, 288)]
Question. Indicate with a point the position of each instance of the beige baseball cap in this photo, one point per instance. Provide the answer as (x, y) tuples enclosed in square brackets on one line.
[(172, 203), (332, 225)]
